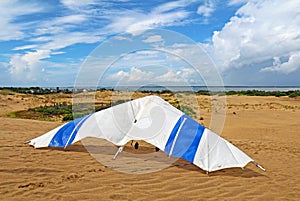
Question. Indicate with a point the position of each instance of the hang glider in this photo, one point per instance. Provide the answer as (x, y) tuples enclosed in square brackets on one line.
[(157, 122)]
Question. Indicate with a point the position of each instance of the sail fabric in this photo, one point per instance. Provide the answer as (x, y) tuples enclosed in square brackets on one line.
[(157, 122)]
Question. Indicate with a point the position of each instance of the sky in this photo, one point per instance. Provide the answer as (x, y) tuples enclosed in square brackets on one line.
[(123, 42)]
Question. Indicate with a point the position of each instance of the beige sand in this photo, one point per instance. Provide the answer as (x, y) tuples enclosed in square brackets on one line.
[(266, 128)]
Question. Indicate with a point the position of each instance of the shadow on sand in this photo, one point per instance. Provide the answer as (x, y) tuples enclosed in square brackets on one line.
[(148, 155)]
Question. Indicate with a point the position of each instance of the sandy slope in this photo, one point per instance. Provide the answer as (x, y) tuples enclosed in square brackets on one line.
[(266, 128)]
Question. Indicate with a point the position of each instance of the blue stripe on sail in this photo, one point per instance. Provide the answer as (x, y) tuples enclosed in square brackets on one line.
[(67, 133), (172, 135), (187, 140)]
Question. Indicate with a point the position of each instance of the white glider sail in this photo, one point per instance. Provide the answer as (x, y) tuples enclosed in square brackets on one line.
[(157, 122)]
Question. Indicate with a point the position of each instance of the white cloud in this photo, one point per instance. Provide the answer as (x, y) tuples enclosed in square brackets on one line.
[(135, 21), (137, 76), (40, 39), (122, 38), (258, 35), (27, 66), (9, 12), (153, 39), (30, 65), (61, 24), (260, 31), (70, 26), (235, 2), (72, 19), (171, 6), (142, 58), (4, 64), (76, 4), (63, 40), (57, 53), (25, 47), (207, 9), (51, 34), (186, 73), (169, 77), (133, 76), (287, 67)]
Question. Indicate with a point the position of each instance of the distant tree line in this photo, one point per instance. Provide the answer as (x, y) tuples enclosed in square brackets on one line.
[(36, 90), (291, 93), (41, 91)]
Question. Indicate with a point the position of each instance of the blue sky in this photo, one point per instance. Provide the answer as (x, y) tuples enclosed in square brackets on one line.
[(48, 43)]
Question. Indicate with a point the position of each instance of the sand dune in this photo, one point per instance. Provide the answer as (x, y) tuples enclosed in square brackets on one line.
[(266, 128)]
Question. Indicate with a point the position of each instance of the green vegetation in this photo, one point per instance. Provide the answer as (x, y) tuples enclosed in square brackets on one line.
[(266, 93), (66, 112), (40, 91), (63, 111), (188, 110), (204, 93), (56, 109), (6, 92), (36, 90), (291, 93)]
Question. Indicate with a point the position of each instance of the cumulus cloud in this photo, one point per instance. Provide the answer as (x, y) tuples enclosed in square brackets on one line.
[(170, 77), (47, 36), (257, 34), (70, 25), (291, 65), (133, 76), (27, 66), (136, 76), (31, 65)]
